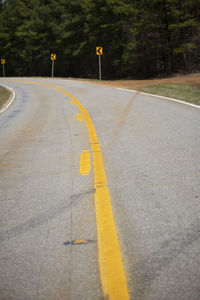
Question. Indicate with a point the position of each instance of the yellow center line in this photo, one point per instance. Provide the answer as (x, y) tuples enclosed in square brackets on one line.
[(112, 273)]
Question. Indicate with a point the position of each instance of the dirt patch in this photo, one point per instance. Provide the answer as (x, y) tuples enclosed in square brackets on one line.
[(193, 80)]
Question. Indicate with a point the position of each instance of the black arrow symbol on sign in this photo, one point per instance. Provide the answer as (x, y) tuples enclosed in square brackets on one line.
[(99, 51)]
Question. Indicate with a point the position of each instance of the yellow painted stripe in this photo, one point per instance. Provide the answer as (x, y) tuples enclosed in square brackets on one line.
[(79, 117), (112, 273), (59, 89), (110, 261), (80, 242), (85, 165)]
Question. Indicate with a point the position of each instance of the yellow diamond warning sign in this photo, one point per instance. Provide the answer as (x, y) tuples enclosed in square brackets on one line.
[(99, 50), (53, 56)]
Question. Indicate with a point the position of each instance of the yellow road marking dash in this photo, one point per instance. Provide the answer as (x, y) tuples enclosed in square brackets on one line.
[(80, 242), (79, 117), (85, 165), (61, 90), (72, 102)]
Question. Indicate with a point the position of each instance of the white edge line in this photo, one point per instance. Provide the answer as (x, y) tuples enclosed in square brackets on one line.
[(11, 99), (162, 97), (142, 93)]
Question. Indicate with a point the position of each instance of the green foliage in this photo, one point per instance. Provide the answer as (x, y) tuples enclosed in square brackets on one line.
[(140, 38)]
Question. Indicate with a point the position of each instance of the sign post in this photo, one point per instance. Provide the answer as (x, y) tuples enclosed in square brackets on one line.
[(3, 61), (99, 52), (53, 57)]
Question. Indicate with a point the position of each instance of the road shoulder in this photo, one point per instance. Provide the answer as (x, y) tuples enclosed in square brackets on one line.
[(6, 98)]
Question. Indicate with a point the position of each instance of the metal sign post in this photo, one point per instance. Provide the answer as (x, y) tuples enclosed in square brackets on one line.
[(53, 57), (52, 69), (4, 70), (3, 61), (99, 67), (99, 52)]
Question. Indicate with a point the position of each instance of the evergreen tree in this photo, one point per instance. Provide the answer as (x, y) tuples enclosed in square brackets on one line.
[(140, 38)]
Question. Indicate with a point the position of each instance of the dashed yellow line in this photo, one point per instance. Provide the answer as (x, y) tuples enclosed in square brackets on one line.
[(112, 273), (79, 117), (85, 165), (78, 242)]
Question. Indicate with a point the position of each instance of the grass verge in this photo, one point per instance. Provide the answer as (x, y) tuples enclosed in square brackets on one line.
[(4, 96), (184, 92), (185, 88)]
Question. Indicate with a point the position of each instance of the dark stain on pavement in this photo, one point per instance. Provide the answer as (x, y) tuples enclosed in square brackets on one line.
[(44, 217), (121, 122), (147, 270)]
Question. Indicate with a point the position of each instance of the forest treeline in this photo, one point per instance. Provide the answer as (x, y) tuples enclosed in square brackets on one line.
[(140, 38)]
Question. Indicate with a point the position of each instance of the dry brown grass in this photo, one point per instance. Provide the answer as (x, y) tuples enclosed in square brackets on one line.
[(193, 80)]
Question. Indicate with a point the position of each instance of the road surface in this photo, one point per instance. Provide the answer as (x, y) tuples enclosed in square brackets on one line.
[(49, 240)]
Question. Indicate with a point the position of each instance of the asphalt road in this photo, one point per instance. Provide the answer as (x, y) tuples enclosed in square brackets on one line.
[(150, 149)]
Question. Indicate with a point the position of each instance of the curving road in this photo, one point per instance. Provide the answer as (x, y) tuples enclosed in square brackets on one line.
[(48, 236)]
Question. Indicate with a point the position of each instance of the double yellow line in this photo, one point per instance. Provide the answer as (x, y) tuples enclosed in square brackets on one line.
[(112, 273)]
